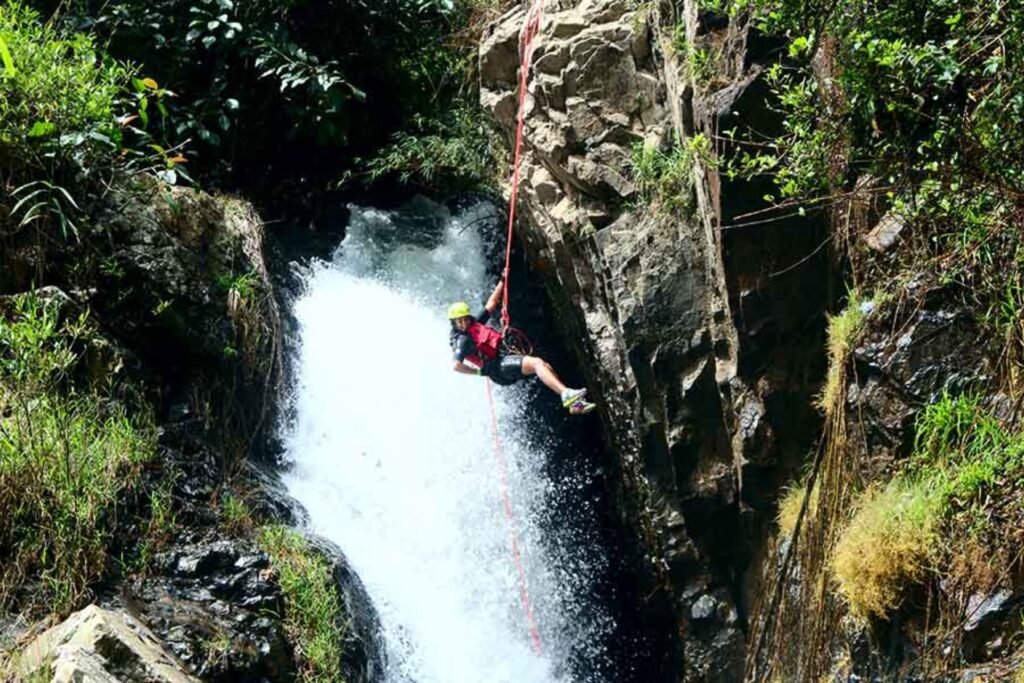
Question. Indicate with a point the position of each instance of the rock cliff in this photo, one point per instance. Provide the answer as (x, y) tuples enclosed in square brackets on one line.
[(687, 329)]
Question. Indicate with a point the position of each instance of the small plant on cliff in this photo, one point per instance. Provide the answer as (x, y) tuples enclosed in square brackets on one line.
[(313, 618), (67, 459), (790, 505), (235, 513), (843, 332), (890, 543), (664, 179)]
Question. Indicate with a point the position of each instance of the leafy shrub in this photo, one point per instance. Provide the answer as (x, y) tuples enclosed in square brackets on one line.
[(456, 156), (448, 143), (64, 128), (313, 619), (57, 93), (265, 93), (67, 458), (922, 100)]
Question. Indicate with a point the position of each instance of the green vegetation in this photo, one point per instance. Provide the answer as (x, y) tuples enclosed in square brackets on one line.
[(962, 456), (456, 152), (244, 285), (68, 459), (920, 115), (843, 332), (448, 144), (71, 119), (57, 94), (265, 96), (161, 514), (234, 513), (665, 178), (313, 619)]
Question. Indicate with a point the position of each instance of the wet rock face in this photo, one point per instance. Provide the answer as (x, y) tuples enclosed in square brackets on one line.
[(644, 295), (214, 605), (182, 305), (935, 349), (209, 593)]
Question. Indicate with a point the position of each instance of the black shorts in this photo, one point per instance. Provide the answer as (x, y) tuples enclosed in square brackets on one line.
[(505, 370)]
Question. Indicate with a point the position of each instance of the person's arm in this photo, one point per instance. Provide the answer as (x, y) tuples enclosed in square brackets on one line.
[(464, 369), (495, 299), (463, 347)]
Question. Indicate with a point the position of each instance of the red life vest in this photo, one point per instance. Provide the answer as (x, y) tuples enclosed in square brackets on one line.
[(488, 343)]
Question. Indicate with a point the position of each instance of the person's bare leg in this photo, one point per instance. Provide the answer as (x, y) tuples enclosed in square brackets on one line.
[(545, 373)]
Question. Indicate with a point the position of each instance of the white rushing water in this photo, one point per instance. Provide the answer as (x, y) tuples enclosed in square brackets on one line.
[(394, 461)]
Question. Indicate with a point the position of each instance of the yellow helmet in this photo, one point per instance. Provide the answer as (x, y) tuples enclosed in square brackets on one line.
[(459, 309)]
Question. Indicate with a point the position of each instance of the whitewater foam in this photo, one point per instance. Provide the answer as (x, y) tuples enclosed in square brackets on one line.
[(393, 459)]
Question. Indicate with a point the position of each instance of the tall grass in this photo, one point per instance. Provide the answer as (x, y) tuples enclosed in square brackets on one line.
[(313, 618), (67, 458)]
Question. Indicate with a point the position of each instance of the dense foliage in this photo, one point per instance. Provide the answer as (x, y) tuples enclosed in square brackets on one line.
[(901, 118), (912, 107), (69, 457), (288, 92)]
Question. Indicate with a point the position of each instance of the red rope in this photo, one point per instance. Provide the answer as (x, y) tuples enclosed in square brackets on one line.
[(524, 592), (531, 26)]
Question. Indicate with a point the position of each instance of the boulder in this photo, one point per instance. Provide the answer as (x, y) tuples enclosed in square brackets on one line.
[(185, 285), (99, 645)]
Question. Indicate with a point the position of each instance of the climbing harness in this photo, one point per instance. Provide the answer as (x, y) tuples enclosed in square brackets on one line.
[(513, 340)]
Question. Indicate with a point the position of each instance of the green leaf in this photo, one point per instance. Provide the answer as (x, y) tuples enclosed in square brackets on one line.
[(40, 129), (5, 55)]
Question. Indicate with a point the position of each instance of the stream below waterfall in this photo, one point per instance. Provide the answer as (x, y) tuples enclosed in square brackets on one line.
[(392, 456)]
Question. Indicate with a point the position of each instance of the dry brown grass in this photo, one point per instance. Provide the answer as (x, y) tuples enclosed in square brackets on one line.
[(888, 545), (789, 507)]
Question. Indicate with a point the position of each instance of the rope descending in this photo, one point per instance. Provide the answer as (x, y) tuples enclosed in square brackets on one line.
[(513, 340)]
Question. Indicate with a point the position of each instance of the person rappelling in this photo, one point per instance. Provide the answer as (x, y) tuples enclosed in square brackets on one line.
[(473, 340)]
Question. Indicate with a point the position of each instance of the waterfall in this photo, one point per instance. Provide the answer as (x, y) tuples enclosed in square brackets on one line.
[(392, 457)]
